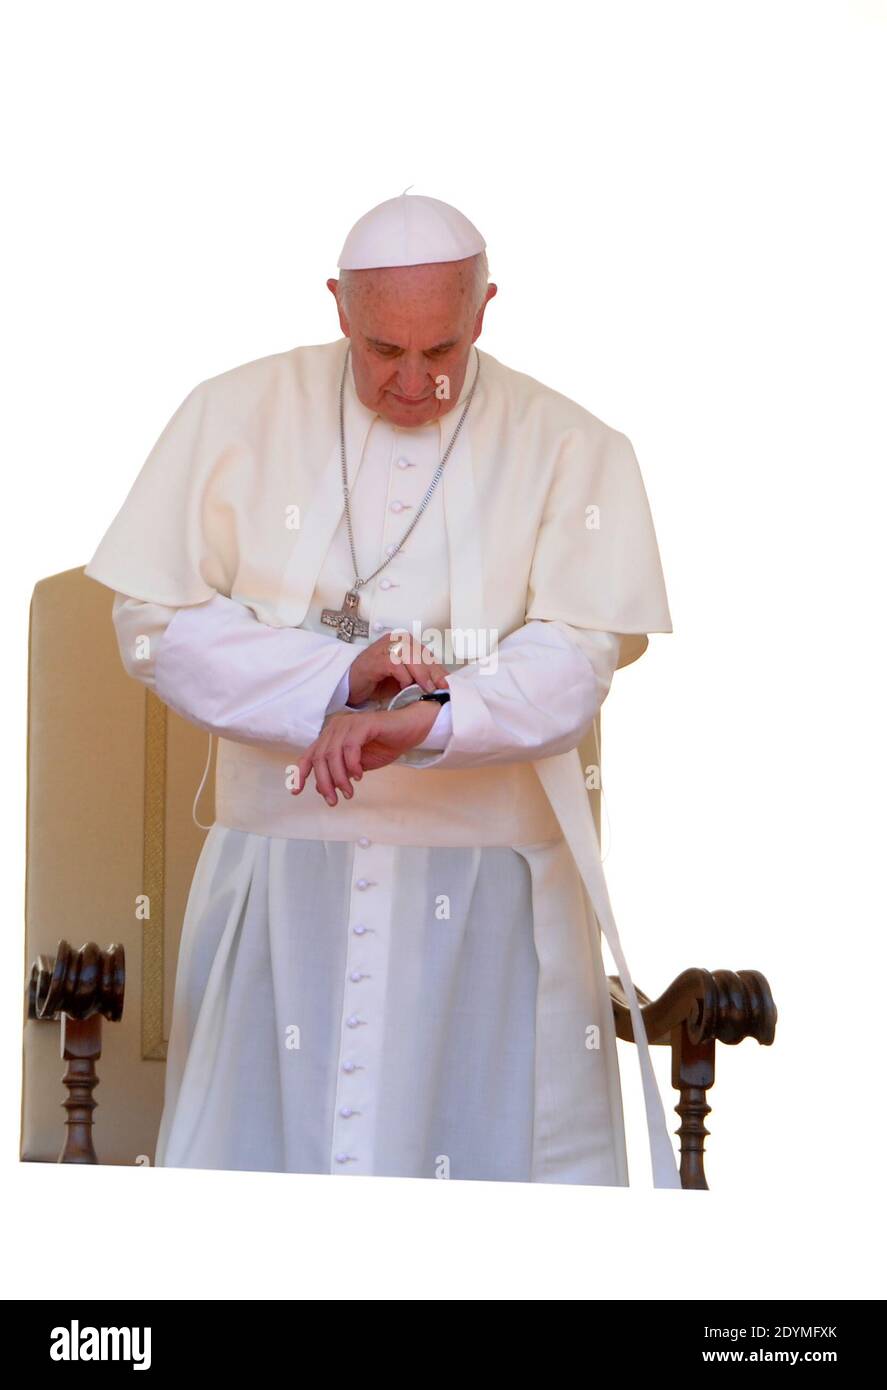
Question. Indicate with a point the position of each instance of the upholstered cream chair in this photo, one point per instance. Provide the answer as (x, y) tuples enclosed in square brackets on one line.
[(112, 775)]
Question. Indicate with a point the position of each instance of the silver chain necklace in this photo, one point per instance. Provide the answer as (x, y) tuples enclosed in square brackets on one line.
[(346, 620)]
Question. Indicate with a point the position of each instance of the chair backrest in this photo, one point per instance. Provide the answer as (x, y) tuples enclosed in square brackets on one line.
[(111, 849)]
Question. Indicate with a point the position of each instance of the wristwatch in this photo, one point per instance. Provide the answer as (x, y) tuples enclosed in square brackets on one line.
[(411, 694)]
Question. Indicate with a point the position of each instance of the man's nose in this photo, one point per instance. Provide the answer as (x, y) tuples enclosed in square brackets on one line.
[(413, 378)]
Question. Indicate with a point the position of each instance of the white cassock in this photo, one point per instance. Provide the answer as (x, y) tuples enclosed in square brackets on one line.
[(409, 983)]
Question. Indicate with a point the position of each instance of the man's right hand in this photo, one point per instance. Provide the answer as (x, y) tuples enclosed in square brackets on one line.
[(380, 672)]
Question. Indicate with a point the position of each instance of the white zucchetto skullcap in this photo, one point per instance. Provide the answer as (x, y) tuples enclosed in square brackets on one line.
[(409, 230)]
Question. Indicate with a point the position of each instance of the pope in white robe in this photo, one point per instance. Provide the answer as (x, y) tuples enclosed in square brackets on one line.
[(391, 959)]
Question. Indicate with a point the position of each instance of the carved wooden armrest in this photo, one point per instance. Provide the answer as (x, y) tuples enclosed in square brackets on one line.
[(698, 1010), (79, 988)]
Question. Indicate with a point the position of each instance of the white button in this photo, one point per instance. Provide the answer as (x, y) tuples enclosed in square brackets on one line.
[(346, 1112), (362, 883), (397, 506), (356, 976), (364, 842), (359, 931), (341, 1158), (403, 463), (377, 627), (384, 583), (348, 1066), (353, 1021)]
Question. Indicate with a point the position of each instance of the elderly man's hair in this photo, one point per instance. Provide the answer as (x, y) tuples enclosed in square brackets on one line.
[(481, 280)]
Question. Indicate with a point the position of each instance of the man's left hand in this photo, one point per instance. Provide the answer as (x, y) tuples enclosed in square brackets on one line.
[(352, 744)]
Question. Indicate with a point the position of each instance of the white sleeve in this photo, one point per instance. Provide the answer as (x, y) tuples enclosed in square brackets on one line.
[(222, 669), (537, 696)]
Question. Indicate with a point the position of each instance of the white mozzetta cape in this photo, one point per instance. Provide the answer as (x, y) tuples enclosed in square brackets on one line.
[(547, 520)]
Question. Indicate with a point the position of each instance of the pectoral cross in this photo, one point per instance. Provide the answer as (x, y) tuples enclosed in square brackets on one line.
[(345, 619)]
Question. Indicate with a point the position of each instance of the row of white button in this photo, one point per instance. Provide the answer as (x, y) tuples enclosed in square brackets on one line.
[(387, 583), (357, 1020), (356, 975)]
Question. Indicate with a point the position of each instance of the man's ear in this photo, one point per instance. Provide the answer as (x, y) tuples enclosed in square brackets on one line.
[(479, 320), (333, 287)]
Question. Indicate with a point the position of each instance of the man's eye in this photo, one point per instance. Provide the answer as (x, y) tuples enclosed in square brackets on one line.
[(394, 351)]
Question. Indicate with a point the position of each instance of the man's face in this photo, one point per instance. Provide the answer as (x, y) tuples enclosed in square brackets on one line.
[(409, 326)]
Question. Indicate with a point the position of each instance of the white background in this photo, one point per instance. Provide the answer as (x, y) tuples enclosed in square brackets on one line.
[(683, 205)]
